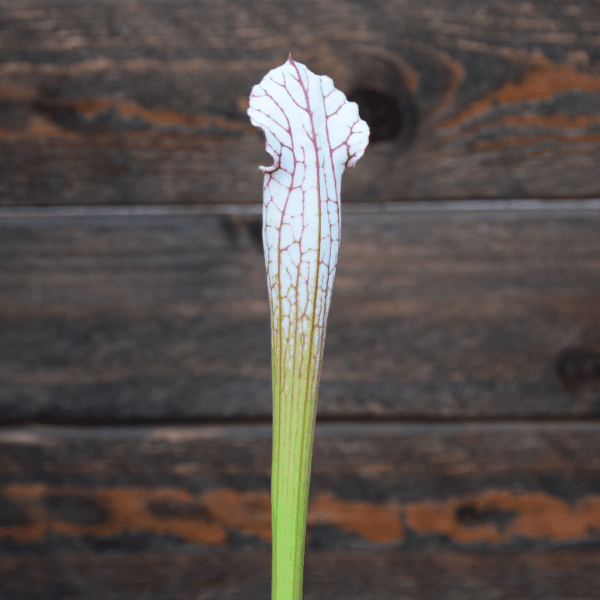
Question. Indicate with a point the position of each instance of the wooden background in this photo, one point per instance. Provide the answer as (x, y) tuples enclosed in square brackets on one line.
[(145, 102), (458, 445)]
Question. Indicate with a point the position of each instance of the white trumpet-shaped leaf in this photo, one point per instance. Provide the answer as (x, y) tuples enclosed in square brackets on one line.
[(312, 132)]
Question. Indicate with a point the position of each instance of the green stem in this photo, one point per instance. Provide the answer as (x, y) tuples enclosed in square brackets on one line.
[(294, 412)]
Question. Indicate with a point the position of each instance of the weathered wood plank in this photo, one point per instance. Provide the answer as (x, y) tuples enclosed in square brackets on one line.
[(144, 102), (562, 574), (167, 319), (399, 485), (422, 511)]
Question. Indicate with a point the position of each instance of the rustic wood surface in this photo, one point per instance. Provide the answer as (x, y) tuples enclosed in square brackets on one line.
[(563, 574), (110, 102), (168, 319), (419, 511), (463, 351)]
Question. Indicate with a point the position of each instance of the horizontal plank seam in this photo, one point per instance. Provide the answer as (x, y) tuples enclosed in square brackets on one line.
[(441, 208), (7, 427)]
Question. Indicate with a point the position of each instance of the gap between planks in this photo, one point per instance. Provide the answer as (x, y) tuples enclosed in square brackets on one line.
[(34, 434), (469, 210)]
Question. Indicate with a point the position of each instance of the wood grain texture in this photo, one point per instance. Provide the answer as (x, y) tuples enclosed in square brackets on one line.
[(400, 485), (462, 511), (168, 319), (144, 102), (562, 574)]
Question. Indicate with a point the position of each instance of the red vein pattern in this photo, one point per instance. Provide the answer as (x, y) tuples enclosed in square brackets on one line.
[(313, 133)]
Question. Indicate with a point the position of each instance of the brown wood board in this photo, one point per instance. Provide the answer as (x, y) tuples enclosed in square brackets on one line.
[(464, 511), (373, 486), (144, 102), (562, 574), (168, 319)]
